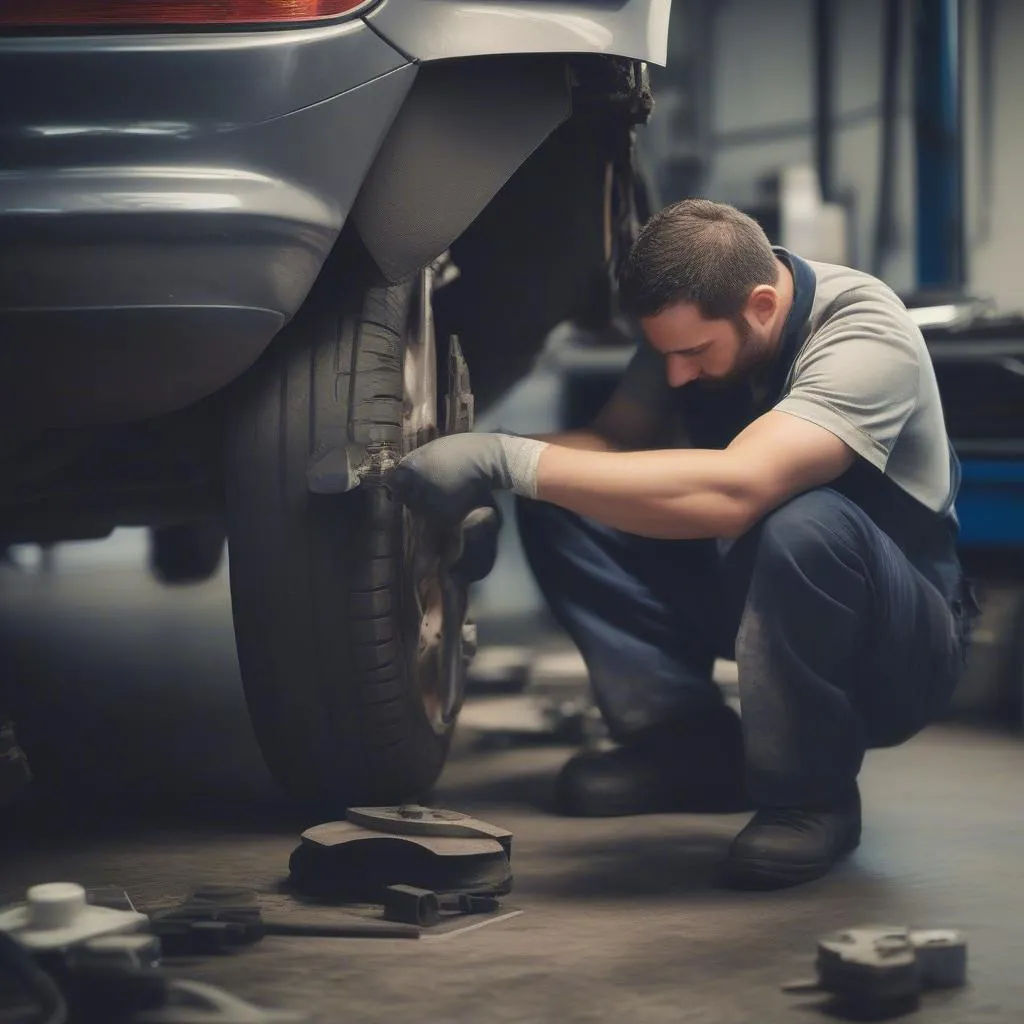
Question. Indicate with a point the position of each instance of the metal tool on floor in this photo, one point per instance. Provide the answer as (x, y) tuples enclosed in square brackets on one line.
[(424, 908), (440, 853), (879, 972), (71, 961), (221, 918)]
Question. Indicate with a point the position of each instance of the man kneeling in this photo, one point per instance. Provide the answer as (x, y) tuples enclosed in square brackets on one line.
[(772, 481)]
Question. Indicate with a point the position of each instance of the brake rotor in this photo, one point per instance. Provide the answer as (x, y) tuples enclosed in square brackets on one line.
[(355, 860), (414, 820)]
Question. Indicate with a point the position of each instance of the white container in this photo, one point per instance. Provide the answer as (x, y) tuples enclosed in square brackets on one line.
[(57, 915)]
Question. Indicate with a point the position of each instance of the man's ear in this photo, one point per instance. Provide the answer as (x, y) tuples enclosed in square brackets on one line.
[(762, 304)]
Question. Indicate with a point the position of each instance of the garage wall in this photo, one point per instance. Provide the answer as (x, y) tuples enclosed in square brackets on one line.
[(761, 107), (995, 207)]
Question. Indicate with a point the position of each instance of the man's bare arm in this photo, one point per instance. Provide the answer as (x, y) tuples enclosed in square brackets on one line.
[(697, 493)]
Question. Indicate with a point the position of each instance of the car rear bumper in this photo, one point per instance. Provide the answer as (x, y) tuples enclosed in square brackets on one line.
[(166, 203)]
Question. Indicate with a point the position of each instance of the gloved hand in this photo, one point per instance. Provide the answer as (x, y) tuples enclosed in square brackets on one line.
[(451, 476), (474, 548)]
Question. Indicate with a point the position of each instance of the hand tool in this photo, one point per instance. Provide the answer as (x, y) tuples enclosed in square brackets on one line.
[(425, 908), (218, 918), (881, 971)]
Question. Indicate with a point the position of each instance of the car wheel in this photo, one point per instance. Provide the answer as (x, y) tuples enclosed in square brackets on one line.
[(349, 635), (186, 552)]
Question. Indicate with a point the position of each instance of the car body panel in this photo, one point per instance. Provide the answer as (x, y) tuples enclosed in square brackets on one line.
[(99, 87), (429, 30), (134, 288), (168, 199)]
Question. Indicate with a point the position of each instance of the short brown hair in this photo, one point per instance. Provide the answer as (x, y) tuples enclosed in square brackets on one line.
[(710, 254)]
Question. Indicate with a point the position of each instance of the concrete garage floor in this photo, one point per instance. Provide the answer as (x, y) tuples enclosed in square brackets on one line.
[(621, 919)]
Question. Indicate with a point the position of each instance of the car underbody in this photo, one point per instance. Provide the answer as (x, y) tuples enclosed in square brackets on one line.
[(550, 233)]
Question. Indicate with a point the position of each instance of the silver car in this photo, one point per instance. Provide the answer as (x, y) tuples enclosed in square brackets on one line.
[(253, 251)]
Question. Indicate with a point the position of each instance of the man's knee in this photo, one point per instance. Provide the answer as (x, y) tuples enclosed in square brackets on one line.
[(533, 512), (805, 527), (542, 525)]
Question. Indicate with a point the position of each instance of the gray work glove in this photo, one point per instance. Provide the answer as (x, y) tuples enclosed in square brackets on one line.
[(472, 551), (446, 479)]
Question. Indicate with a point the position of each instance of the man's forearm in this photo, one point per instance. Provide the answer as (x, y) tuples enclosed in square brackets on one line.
[(668, 494)]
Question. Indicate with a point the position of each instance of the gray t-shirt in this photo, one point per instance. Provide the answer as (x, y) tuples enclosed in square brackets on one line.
[(863, 372)]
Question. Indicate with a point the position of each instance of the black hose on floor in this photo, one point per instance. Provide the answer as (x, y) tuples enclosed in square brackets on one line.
[(36, 983)]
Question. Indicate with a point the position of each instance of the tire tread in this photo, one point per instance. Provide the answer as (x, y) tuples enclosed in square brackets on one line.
[(325, 672)]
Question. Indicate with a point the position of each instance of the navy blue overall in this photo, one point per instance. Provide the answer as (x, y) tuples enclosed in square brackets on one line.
[(845, 609)]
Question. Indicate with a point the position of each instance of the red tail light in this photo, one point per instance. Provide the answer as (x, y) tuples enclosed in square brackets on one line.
[(170, 12)]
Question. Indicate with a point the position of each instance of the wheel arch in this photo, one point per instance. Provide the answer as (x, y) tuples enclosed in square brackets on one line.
[(463, 131), (503, 162)]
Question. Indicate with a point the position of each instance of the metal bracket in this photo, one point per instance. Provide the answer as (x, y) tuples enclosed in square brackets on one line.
[(624, 85), (459, 402)]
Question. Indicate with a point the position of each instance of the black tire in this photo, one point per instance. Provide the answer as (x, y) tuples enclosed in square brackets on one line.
[(187, 552), (318, 582)]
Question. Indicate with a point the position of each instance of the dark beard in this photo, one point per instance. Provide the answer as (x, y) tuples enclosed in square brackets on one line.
[(750, 362)]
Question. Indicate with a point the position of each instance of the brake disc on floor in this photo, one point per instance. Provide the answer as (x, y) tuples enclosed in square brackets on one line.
[(413, 820), (426, 847)]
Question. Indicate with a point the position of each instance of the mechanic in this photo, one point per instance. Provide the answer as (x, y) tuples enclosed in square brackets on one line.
[(772, 482)]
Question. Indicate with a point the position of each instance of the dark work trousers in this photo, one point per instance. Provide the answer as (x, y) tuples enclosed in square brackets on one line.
[(841, 643)]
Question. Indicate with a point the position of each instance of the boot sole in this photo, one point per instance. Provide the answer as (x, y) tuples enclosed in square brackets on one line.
[(768, 874)]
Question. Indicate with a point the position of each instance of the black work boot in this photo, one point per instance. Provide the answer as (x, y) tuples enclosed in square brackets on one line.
[(784, 846), (691, 764)]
